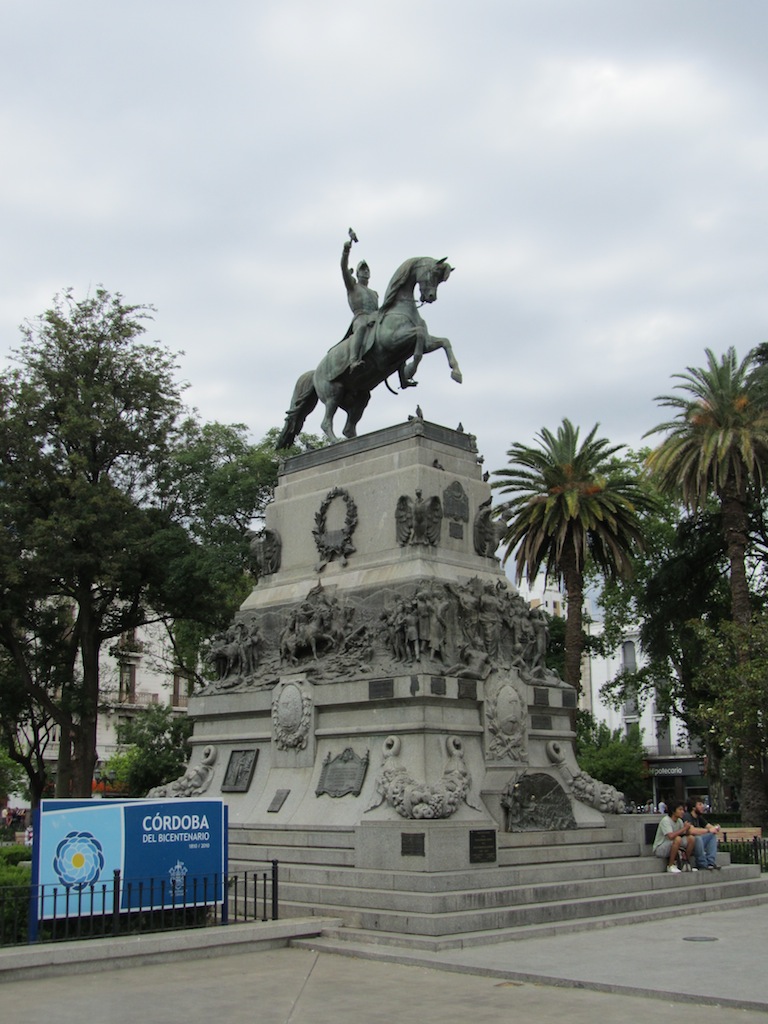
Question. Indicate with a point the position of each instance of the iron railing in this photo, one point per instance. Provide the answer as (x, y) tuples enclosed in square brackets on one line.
[(747, 851), (94, 911)]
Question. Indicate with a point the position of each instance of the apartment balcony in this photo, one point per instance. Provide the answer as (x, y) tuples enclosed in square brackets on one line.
[(138, 699)]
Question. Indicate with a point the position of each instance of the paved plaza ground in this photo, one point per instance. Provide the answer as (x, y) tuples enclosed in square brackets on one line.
[(714, 962), (298, 986)]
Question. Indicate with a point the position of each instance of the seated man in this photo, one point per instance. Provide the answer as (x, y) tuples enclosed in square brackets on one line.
[(704, 833), (672, 835)]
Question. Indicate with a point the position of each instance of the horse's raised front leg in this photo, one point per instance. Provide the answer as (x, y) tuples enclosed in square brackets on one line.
[(433, 344), (408, 370)]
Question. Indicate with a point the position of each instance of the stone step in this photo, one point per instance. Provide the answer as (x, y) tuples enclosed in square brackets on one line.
[(663, 890), (244, 857), (325, 847), (468, 879), (331, 838), (456, 901), (344, 837), (553, 854), (512, 859), (565, 837), (363, 943)]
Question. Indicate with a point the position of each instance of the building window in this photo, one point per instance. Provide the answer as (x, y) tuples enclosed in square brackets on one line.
[(127, 682), (628, 656), (180, 689), (663, 737)]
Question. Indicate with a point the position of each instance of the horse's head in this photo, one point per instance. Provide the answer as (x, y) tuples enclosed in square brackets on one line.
[(430, 274)]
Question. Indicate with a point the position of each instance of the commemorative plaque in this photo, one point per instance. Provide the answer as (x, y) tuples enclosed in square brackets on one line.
[(342, 774), (281, 795), (381, 689), (482, 846), (467, 689), (237, 778), (412, 844)]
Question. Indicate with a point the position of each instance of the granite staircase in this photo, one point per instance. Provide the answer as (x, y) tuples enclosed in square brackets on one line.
[(543, 883)]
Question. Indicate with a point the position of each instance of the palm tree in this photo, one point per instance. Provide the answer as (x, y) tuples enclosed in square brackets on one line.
[(717, 444), (570, 504)]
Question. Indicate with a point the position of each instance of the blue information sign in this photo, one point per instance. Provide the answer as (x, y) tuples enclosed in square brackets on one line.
[(168, 853)]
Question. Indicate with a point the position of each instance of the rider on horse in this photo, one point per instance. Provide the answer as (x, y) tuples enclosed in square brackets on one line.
[(363, 301)]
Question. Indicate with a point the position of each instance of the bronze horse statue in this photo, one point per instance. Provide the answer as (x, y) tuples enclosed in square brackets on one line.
[(396, 340)]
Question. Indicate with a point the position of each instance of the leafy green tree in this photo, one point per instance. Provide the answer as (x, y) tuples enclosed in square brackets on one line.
[(717, 445), (12, 776), (731, 683), (157, 749), (679, 581), (570, 504), (26, 728), (555, 656), (116, 508), (610, 757)]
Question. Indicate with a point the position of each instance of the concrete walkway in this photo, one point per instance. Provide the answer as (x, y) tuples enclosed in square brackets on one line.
[(607, 975), (716, 957)]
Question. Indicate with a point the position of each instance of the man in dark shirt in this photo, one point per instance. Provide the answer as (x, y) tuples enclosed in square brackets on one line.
[(705, 835)]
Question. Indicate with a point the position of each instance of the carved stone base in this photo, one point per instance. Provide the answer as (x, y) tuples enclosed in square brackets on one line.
[(422, 846), (392, 639)]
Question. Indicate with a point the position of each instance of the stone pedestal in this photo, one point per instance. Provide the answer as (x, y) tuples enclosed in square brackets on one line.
[(383, 674)]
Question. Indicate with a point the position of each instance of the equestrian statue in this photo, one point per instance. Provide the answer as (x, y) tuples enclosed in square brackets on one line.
[(380, 341)]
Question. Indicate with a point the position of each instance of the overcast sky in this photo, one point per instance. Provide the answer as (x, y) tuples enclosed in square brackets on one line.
[(595, 170)]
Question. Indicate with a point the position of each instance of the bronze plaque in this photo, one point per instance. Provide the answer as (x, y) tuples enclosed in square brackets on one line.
[(412, 844), (437, 686), (237, 778), (482, 846), (541, 696), (467, 689), (381, 689), (569, 698), (541, 721), (455, 530), (342, 774), (281, 795)]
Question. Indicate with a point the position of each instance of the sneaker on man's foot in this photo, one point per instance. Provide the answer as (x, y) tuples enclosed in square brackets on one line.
[(673, 869)]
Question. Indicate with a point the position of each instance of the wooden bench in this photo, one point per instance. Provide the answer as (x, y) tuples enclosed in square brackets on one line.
[(737, 834)]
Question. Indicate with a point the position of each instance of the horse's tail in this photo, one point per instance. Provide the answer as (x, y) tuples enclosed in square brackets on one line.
[(303, 402)]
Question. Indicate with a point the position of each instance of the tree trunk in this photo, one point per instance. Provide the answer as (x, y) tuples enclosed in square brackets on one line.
[(735, 534), (754, 797), (63, 787), (85, 753), (574, 637), (714, 776)]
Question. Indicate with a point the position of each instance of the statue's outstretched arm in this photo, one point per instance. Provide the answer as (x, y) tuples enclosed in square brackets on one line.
[(346, 273)]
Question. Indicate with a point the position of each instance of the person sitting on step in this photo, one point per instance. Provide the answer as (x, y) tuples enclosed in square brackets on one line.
[(673, 836), (705, 834)]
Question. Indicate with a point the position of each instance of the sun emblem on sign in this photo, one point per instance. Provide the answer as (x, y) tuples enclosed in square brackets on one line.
[(79, 860)]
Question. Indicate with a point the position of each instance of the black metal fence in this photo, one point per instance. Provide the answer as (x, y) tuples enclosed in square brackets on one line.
[(94, 911), (747, 851)]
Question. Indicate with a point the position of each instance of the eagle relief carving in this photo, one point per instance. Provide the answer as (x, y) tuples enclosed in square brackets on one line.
[(418, 521)]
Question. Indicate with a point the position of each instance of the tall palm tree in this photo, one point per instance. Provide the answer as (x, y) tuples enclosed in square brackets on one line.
[(717, 444), (570, 503)]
